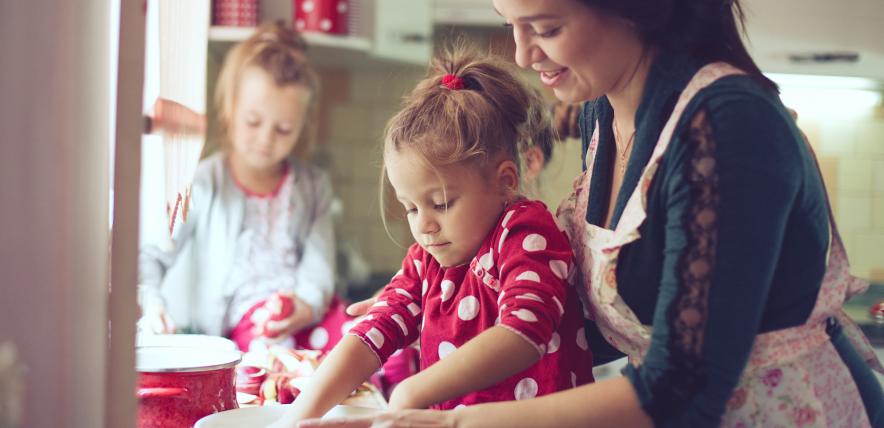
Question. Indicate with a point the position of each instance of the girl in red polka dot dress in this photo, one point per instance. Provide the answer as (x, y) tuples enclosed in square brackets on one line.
[(485, 287)]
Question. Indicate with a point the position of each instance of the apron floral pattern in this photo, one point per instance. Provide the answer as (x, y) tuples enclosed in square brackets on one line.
[(794, 376)]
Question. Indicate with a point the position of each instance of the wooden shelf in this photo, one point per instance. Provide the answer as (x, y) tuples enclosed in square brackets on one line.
[(238, 34)]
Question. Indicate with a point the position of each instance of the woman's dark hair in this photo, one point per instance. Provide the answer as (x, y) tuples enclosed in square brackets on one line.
[(708, 29)]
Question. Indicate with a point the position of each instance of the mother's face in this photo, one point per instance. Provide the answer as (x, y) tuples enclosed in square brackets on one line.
[(580, 52)]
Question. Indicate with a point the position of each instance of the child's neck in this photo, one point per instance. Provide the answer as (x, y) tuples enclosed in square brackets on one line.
[(257, 182)]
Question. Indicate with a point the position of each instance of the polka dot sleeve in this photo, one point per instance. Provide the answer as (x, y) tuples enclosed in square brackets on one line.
[(393, 322), (534, 262)]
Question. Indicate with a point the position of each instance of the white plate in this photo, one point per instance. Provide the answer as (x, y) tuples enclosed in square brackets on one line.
[(259, 417)]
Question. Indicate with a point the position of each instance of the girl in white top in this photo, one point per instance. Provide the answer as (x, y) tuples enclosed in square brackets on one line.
[(259, 224)]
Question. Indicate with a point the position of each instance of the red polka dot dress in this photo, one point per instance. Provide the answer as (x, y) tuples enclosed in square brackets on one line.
[(518, 280)]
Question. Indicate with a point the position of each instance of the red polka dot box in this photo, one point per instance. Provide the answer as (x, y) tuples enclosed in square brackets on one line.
[(236, 13), (325, 16)]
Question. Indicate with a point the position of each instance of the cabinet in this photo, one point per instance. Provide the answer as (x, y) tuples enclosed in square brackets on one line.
[(380, 30)]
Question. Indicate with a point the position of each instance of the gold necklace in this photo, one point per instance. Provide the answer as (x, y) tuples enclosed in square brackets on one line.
[(624, 153)]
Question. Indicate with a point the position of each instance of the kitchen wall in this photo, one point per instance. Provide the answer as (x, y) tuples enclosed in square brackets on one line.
[(851, 154)]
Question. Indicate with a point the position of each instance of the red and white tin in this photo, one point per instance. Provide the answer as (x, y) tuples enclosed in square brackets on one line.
[(324, 16), (238, 13)]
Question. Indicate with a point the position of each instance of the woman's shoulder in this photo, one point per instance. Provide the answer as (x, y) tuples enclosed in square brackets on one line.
[(747, 123)]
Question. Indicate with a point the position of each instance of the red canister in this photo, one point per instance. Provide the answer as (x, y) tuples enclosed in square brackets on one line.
[(178, 386), (325, 16), (237, 13)]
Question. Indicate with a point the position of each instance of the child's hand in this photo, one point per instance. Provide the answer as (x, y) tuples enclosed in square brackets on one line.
[(300, 318), (156, 321)]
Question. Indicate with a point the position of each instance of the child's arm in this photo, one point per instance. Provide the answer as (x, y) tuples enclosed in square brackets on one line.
[(316, 269), (349, 364), (487, 359), (154, 262)]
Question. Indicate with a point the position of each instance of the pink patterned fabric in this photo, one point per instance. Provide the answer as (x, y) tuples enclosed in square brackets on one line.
[(794, 376)]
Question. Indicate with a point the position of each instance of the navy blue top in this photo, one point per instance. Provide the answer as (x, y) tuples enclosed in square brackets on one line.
[(742, 245)]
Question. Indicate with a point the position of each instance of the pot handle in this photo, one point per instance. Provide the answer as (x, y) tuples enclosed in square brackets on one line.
[(145, 393)]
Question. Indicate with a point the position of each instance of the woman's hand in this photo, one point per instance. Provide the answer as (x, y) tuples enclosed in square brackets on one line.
[(300, 318), (395, 419)]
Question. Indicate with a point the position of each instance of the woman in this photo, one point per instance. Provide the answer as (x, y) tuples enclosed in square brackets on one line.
[(701, 222)]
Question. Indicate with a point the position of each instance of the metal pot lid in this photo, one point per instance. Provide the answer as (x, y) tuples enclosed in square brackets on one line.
[(184, 340), (183, 359)]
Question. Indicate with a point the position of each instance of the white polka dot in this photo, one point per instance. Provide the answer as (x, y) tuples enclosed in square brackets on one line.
[(468, 308), (507, 217), (460, 406), (528, 275), (559, 304), (502, 238), (525, 315), (342, 7), (376, 337), (447, 289), (573, 380), (401, 321), (554, 343), (530, 296), (318, 338), (380, 304), (345, 328), (414, 309), (398, 273), (424, 287), (500, 298), (404, 293), (526, 389), (534, 242), (487, 261), (581, 340), (300, 25), (445, 349), (325, 24), (419, 267), (559, 268), (308, 6)]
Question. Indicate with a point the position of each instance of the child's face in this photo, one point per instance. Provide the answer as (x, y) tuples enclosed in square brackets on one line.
[(474, 204), (267, 119)]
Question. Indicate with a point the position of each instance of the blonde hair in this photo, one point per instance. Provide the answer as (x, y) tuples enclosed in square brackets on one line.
[(494, 116), (280, 51)]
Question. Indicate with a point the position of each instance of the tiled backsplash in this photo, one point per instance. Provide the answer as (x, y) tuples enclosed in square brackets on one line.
[(851, 154)]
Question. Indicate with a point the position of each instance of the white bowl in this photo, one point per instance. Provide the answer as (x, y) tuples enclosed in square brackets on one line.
[(261, 416)]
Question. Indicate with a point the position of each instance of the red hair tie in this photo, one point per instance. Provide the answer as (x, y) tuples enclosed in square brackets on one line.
[(452, 82)]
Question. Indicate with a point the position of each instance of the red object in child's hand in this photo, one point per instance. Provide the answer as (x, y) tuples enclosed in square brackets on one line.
[(249, 379), (285, 391), (279, 307)]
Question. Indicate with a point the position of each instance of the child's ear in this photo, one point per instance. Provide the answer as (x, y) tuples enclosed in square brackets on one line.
[(508, 177)]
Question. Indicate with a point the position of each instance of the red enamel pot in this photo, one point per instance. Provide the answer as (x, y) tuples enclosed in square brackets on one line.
[(179, 385)]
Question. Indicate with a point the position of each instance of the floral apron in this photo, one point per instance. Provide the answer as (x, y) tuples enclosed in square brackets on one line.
[(794, 376)]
